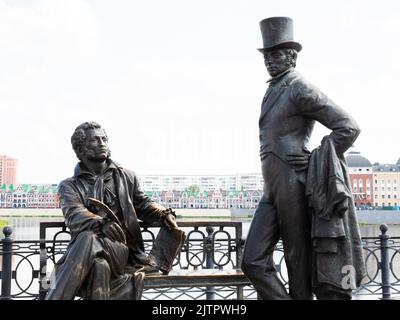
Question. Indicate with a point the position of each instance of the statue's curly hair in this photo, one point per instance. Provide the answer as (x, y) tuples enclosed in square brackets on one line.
[(79, 136), (292, 56)]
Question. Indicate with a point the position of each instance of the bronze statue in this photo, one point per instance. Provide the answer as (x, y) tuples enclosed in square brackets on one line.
[(306, 199), (101, 204)]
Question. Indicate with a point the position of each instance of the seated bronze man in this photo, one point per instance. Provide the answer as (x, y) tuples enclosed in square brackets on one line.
[(101, 204)]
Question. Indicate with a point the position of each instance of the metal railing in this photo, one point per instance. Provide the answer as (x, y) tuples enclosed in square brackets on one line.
[(382, 260), (208, 245), (25, 263)]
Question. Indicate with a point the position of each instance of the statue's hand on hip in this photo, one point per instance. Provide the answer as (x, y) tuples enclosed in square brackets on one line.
[(299, 161)]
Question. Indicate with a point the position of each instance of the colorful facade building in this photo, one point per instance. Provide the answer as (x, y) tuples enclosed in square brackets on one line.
[(46, 196), (386, 185), (8, 170), (216, 199), (361, 179), (29, 196), (373, 185)]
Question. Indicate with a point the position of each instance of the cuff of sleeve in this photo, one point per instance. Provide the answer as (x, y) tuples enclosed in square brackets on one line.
[(165, 213)]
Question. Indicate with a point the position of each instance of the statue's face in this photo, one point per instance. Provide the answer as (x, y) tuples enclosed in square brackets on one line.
[(276, 61), (95, 147)]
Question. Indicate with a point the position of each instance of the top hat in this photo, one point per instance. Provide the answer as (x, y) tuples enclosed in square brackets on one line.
[(277, 32)]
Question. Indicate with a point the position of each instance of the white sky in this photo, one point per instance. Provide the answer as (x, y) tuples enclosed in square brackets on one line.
[(178, 84)]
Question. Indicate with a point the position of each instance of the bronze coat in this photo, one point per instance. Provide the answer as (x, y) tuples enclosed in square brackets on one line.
[(134, 204), (337, 247), (289, 111)]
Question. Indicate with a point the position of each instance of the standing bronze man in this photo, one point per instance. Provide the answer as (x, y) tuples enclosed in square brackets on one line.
[(101, 204), (289, 110)]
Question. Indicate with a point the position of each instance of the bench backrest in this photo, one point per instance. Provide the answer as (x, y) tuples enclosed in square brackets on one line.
[(208, 245)]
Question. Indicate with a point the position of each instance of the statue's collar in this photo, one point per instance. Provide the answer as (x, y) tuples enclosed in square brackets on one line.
[(81, 169)]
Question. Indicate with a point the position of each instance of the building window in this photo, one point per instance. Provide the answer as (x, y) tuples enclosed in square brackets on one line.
[(376, 204), (383, 196)]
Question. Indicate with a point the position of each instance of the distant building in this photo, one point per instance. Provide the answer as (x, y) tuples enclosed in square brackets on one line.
[(251, 181), (29, 196), (204, 191), (217, 199), (361, 179), (8, 170), (185, 191), (373, 185), (386, 185)]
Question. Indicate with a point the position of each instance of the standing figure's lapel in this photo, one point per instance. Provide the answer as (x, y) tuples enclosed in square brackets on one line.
[(271, 97)]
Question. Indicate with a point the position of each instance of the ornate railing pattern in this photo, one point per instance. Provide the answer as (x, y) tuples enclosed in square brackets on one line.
[(209, 245), (382, 260)]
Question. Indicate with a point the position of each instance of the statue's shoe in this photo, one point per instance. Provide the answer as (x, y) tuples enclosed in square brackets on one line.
[(148, 269)]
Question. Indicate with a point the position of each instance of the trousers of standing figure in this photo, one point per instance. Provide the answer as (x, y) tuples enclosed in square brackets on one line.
[(281, 213)]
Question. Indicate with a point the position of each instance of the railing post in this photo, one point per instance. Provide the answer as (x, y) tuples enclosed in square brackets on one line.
[(385, 263), (210, 291), (239, 253), (6, 271)]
